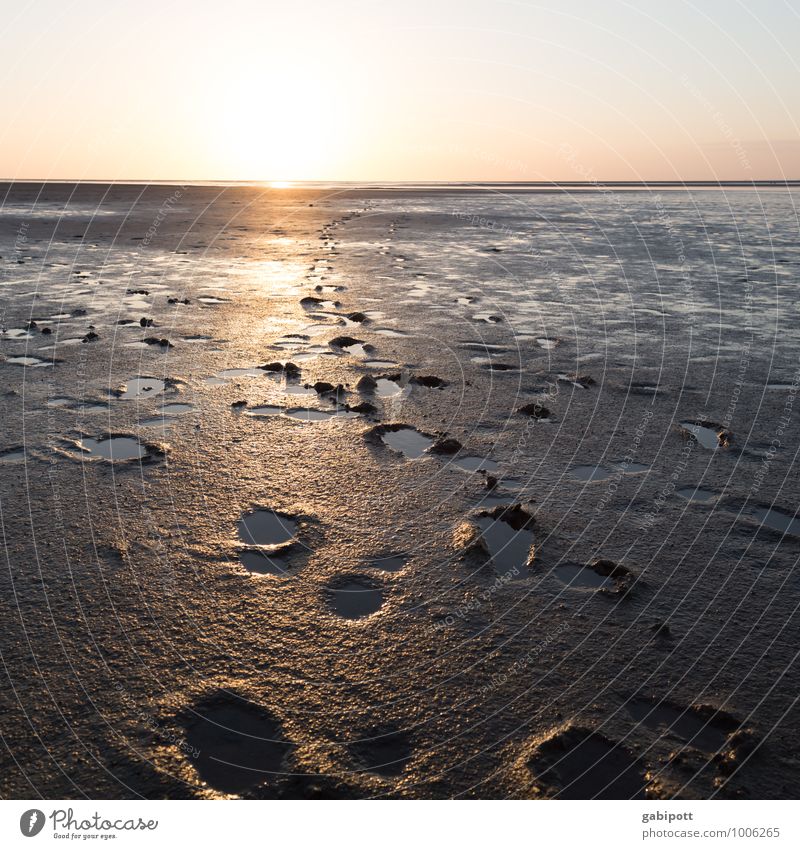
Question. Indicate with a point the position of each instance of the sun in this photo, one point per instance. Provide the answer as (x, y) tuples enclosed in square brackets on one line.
[(278, 131)]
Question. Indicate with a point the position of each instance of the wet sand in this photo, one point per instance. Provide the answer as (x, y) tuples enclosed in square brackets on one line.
[(421, 494)]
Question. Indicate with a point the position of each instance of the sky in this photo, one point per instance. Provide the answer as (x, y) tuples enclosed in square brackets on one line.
[(414, 90)]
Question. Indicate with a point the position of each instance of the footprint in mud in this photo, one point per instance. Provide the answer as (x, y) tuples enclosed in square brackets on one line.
[(697, 493), (384, 386), (270, 542), (707, 434), (236, 744), (12, 455), (502, 536), (474, 464), (386, 562), (604, 576), (353, 347), (579, 381), (700, 726), (579, 763), (776, 520), (401, 438), (355, 597), (28, 362), (115, 448), (139, 387), (385, 752)]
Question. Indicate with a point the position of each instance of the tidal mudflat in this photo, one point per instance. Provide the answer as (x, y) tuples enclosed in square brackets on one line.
[(399, 493)]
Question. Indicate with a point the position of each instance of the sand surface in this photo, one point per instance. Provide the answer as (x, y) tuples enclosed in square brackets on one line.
[(223, 579)]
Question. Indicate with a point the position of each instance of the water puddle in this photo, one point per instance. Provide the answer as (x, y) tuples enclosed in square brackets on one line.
[(29, 362), (707, 434), (268, 530), (404, 439), (508, 540), (475, 464), (696, 493), (115, 449), (140, 386), (380, 364), (265, 410), (777, 520), (580, 577), (12, 455), (355, 598), (260, 562)]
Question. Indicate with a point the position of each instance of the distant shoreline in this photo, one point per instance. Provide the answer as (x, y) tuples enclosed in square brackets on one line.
[(462, 185)]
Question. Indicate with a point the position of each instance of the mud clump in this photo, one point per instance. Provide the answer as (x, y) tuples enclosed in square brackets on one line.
[(580, 763), (622, 578), (289, 369), (446, 446), (430, 381), (154, 340), (358, 317), (536, 410)]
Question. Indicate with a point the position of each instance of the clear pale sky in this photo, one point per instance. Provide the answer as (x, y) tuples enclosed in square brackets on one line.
[(404, 90)]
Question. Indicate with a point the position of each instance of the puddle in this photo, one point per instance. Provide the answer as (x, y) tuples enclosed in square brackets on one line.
[(405, 439), (475, 464), (387, 388), (139, 386), (547, 344), (776, 520), (509, 548), (267, 529), (699, 725), (384, 753), (589, 473), (115, 449), (696, 493), (380, 364), (265, 410), (355, 598), (632, 468), (580, 577), (30, 362), (709, 435), (578, 763), (387, 331), (239, 744), (210, 299), (260, 562), (12, 455)]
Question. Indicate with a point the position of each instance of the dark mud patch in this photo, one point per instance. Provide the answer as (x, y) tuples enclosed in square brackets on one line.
[(579, 763), (700, 726), (708, 434), (237, 745), (401, 438), (385, 752), (355, 597)]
